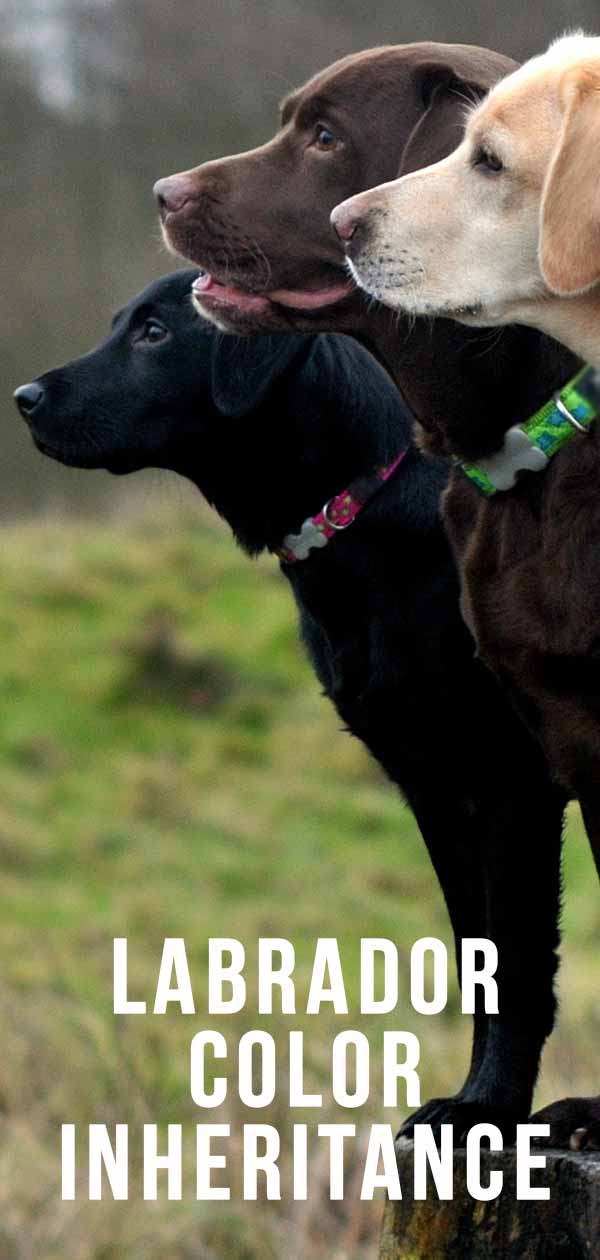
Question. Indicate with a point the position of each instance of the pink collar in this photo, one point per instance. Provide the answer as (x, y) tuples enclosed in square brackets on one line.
[(337, 514)]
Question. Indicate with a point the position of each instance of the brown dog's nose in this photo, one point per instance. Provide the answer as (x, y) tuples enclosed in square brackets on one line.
[(173, 193), (345, 221)]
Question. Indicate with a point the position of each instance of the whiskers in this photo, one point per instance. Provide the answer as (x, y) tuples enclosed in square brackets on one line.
[(162, 242), (264, 269), (240, 262), (402, 316), (492, 336)]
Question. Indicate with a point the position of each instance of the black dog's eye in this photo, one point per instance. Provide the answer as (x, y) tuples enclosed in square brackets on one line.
[(324, 138), (153, 332), (485, 160)]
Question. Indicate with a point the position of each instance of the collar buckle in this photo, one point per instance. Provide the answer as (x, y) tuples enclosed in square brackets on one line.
[(568, 415), (317, 530), (530, 446), (337, 525)]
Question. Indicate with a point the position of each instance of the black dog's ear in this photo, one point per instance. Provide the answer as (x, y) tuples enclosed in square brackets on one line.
[(244, 369), (448, 89)]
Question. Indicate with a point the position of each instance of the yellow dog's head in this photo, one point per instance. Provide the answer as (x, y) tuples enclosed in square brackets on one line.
[(511, 219)]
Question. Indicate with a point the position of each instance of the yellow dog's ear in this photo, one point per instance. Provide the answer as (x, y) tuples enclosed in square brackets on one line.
[(569, 249)]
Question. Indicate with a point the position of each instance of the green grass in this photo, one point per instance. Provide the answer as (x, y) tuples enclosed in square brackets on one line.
[(168, 768)]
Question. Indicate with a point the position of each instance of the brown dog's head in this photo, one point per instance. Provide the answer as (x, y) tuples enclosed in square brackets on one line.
[(258, 222)]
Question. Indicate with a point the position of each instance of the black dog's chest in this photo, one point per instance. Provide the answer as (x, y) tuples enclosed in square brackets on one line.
[(391, 652)]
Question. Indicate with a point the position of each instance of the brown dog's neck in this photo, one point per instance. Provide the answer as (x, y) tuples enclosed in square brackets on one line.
[(466, 387)]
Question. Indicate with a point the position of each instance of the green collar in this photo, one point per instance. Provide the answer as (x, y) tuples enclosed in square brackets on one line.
[(530, 446)]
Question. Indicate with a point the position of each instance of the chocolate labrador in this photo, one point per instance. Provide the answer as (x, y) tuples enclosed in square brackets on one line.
[(258, 223), (270, 429)]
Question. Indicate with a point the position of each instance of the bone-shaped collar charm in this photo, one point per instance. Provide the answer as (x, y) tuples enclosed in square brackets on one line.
[(516, 455), (301, 544)]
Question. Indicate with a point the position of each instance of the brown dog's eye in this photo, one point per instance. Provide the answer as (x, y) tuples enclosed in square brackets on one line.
[(324, 138), (484, 160)]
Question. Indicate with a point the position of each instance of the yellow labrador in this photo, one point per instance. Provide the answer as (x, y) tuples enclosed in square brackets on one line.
[(507, 228)]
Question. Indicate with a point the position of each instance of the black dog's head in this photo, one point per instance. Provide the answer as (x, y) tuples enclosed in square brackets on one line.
[(112, 408), (162, 376), (267, 427)]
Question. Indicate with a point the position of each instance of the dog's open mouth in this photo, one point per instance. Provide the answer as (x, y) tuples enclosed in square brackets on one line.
[(208, 290)]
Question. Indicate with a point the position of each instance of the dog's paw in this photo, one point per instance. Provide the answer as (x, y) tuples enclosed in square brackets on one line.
[(574, 1124), (462, 1115)]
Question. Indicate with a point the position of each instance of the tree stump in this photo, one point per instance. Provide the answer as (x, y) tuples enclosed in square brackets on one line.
[(564, 1227)]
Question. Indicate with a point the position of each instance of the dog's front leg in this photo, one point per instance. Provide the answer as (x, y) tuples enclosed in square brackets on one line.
[(518, 845), (522, 864), (450, 833)]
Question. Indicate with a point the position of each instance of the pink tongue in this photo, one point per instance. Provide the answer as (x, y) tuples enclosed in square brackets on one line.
[(300, 299), (305, 300), (203, 281)]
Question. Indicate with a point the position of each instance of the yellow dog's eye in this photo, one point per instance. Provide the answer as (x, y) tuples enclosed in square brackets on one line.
[(484, 160)]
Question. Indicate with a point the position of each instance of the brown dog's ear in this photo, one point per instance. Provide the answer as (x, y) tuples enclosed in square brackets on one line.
[(449, 88), (569, 247)]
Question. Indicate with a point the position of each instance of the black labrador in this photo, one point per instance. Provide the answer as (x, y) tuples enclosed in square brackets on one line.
[(270, 429)]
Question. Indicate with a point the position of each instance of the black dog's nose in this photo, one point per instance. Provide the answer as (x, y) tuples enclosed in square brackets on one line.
[(28, 397)]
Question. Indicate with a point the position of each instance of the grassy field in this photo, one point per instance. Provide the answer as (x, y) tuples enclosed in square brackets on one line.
[(168, 768)]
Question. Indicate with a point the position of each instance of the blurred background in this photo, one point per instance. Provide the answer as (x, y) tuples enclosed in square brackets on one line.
[(101, 97), (167, 766)]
